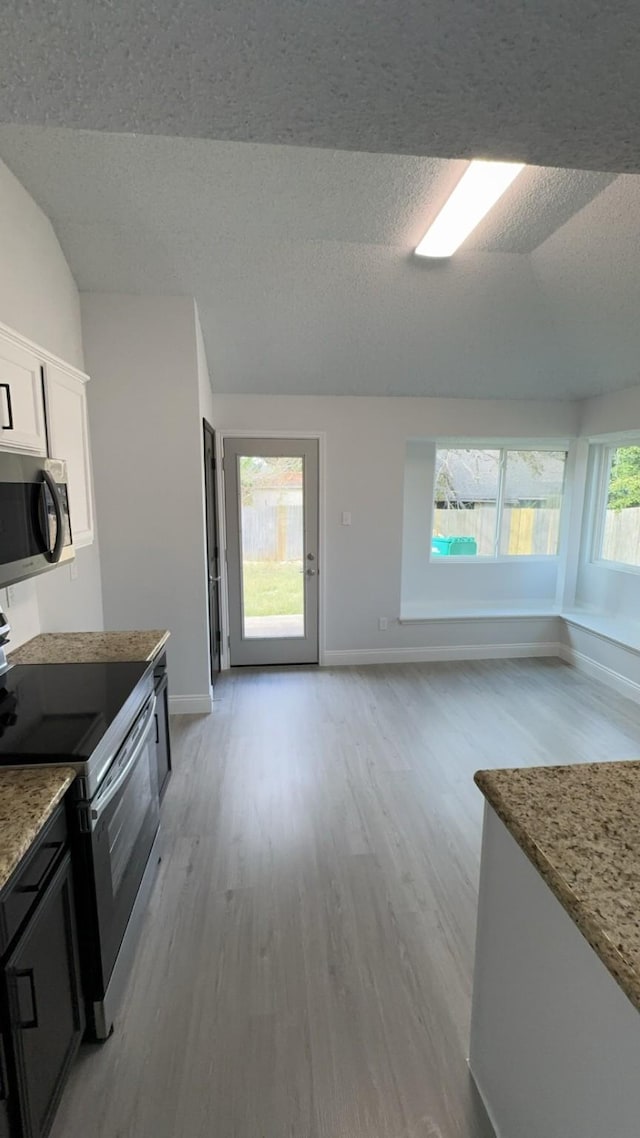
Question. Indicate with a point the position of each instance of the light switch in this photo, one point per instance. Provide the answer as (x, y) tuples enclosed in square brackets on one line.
[(346, 518)]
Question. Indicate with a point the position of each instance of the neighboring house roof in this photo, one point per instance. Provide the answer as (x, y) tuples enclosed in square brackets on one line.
[(472, 476)]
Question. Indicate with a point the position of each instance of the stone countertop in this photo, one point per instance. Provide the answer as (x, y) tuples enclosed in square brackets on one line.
[(580, 827), (90, 647), (27, 799)]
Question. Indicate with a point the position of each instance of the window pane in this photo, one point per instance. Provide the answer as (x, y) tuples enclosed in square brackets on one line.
[(466, 491), (621, 539), (533, 485), (272, 524)]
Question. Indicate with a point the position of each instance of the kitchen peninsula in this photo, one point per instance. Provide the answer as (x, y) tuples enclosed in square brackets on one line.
[(555, 1032)]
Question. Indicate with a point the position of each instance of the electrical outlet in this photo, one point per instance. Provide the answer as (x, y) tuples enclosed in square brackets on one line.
[(383, 623), (11, 595), (73, 570)]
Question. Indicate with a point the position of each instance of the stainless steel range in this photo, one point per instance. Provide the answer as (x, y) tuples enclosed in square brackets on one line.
[(99, 719)]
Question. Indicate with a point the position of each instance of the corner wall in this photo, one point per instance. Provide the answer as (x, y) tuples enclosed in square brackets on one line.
[(601, 635), (39, 298), (142, 354), (613, 592)]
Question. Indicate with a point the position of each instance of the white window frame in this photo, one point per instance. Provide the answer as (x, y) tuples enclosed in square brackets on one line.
[(600, 491), (504, 448)]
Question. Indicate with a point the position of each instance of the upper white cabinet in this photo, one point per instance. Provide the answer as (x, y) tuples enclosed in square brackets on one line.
[(68, 428), (22, 422), (43, 410)]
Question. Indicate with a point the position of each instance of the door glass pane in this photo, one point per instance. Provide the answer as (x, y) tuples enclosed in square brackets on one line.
[(465, 503), (272, 545), (533, 486)]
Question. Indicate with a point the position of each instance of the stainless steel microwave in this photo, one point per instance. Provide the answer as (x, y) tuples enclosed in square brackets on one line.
[(35, 527)]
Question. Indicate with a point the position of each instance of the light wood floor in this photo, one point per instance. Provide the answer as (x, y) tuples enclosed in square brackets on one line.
[(306, 965)]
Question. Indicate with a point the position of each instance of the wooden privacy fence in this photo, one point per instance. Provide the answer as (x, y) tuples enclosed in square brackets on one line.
[(527, 530), (524, 530), (272, 533), (275, 533), (622, 536)]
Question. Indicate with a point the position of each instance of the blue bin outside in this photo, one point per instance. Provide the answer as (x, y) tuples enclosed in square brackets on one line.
[(454, 546)]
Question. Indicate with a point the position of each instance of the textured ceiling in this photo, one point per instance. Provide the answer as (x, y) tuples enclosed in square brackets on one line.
[(301, 263), (551, 82)]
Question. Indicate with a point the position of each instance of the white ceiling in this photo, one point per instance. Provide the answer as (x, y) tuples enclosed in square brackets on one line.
[(301, 262), (555, 82)]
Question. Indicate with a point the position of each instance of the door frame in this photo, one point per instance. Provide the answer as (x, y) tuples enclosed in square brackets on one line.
[(208, 429), (253, 433)]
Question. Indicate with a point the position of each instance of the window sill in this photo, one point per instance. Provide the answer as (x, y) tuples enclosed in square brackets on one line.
[(505, 559), (616, 629), (425, 615), (616, 566)]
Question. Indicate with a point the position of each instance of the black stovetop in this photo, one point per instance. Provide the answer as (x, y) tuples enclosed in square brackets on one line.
[(55, 712)]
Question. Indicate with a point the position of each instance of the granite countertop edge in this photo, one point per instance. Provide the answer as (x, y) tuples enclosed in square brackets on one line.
[(586, 920), (19, 788), (91, 647)]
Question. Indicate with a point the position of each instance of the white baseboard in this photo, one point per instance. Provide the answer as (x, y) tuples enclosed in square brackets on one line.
[(357, 656), (596, 671), (190, 705)]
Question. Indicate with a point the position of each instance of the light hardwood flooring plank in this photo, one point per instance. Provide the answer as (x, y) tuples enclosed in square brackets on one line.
[(305, 968)]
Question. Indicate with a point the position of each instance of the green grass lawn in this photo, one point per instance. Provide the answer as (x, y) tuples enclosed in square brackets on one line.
[(273, 588)]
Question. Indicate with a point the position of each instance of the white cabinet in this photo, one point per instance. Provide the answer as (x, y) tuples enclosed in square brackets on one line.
[(43, 410), (68, 429), (22, 422)]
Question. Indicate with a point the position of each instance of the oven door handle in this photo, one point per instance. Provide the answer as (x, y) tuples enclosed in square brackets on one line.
[(100, 803)]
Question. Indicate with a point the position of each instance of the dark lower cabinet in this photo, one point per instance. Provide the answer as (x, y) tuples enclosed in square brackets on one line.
[(163, 743), (42, 1008), (5, 1130)]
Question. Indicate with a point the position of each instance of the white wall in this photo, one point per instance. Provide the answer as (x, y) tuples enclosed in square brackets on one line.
[(142, 353), (206, 411), (38, 298), (602, 634), (587, 272), (38, 295), (205, 390), (609, 414), (365, 462)]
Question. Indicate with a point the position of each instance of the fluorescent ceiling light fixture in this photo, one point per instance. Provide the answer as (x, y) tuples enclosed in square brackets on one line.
[(476, 193)]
